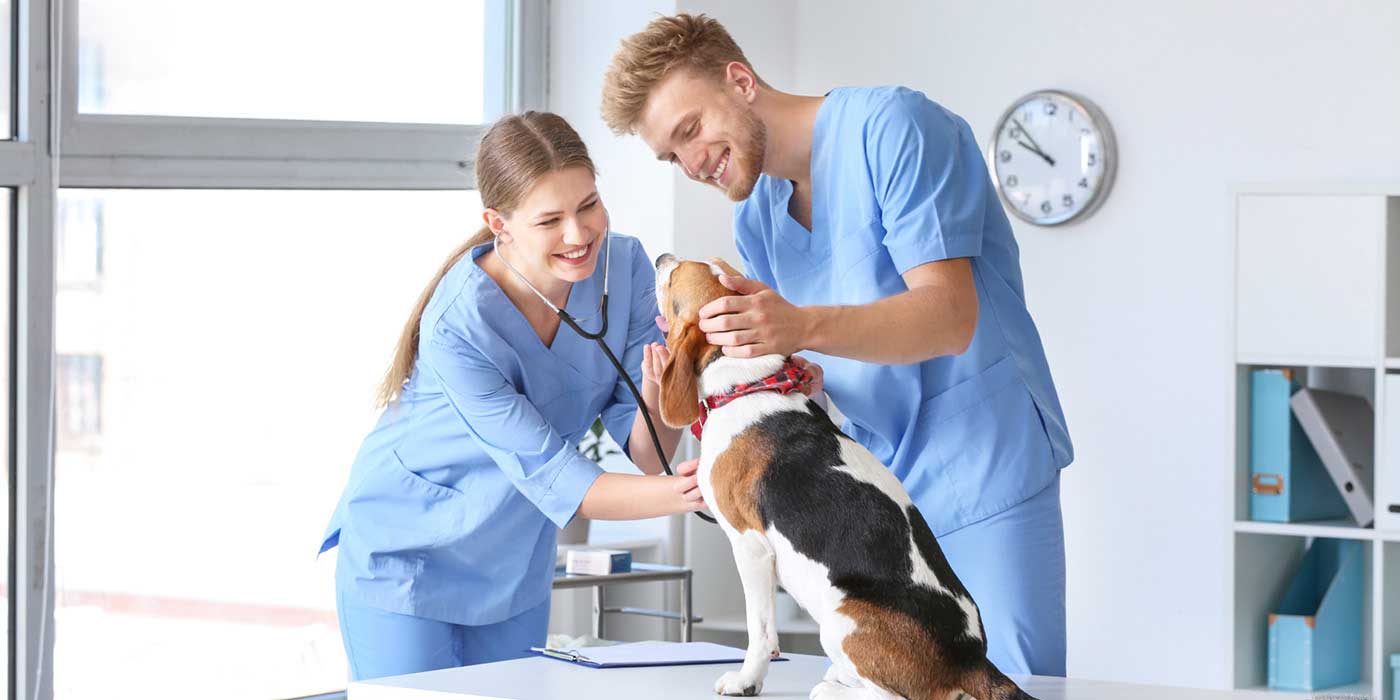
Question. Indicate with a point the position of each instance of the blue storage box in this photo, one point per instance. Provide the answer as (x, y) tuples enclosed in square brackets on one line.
[(1315, 632), (1288, 482)]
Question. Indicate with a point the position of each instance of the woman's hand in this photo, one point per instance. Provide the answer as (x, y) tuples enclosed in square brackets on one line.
[(654, 359), (635, 497), (688, 484)]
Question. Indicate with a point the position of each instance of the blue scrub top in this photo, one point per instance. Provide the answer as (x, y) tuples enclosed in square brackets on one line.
[(455, 499), (898, 181)]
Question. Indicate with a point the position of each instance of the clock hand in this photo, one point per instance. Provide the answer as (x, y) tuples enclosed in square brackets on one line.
[(1027, 132), (1034, 143), (1037, 151)]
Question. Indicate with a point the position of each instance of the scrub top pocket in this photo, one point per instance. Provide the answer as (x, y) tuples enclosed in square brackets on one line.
[(399, 513), (985, 430)]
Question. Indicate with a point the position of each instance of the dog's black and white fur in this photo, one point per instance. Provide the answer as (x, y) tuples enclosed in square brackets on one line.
[(803, 503)]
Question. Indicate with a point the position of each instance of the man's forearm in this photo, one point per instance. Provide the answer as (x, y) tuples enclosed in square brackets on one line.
[(909, 327)]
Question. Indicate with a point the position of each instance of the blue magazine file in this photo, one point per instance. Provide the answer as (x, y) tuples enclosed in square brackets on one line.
[(1288, 482)]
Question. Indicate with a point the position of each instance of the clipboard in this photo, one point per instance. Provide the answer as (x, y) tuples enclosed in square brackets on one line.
[(648, 654)]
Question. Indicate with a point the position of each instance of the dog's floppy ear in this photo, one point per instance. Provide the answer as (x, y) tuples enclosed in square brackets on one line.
[(680, 395)]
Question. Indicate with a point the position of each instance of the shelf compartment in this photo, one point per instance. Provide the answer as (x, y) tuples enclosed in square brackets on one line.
[(1359, 381), (1295, 297), (1264, 563)]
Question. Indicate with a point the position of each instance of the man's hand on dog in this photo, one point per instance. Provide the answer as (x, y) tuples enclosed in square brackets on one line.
[(814, 369), (758, 322)]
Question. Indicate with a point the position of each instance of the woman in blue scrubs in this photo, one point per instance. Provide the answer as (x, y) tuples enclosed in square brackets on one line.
[(448, 524)]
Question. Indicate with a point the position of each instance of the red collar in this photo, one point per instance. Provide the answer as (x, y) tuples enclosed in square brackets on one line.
[(789, 378)]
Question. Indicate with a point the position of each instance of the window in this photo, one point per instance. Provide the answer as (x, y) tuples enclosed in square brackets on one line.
[(78, 379), (236, 345), (248, 199), (79, 242), (429, 61)]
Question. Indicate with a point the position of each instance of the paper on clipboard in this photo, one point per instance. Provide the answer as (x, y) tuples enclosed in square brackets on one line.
[(648, 654)]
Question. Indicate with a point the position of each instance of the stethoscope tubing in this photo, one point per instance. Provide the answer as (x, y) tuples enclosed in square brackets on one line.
[(597, 337)]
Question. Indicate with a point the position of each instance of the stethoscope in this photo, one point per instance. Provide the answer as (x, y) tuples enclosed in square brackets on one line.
[(597, 337)]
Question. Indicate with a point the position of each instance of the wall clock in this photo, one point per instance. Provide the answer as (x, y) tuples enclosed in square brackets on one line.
[(1053, 157)]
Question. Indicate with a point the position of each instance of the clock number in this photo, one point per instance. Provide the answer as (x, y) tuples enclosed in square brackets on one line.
[(1015, 132), (1093, 158), (1012, 181), (1084, 182), (1050, 109), (1068, 200), (1005, 156), (1045, 206)]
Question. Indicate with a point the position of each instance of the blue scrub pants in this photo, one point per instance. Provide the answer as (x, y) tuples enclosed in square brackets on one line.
[(1013, 564), (379, 643)]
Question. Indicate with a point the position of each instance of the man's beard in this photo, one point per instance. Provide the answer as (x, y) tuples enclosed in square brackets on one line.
[(748, 155)]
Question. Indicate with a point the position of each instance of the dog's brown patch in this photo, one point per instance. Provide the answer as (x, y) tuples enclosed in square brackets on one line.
[(735, 476), (894, 651)]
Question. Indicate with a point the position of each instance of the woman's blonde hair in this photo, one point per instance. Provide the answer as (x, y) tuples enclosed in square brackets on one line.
[(696, 42), (514, 154)]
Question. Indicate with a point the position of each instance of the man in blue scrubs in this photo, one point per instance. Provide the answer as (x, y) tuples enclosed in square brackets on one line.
[(874, 241)]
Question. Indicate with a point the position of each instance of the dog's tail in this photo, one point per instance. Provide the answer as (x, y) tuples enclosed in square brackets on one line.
[(989, 683)]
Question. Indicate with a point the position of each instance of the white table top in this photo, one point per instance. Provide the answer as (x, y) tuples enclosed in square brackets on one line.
[(549, 679)]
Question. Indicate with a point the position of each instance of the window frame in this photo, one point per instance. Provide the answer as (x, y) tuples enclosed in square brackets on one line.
[(55, 147), (170, 151)]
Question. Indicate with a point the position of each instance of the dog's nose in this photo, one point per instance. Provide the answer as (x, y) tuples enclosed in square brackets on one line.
[(663, 259)]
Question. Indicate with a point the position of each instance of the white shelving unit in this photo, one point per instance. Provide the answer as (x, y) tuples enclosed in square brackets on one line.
[(1317, 289)]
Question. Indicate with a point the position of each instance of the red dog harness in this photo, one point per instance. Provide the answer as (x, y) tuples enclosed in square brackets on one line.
[(788, 379)]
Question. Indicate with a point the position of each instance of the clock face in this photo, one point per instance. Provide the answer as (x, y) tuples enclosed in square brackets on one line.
[(1053, 157)]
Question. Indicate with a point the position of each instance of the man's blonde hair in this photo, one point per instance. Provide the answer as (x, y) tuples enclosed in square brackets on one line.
[(694, 42)]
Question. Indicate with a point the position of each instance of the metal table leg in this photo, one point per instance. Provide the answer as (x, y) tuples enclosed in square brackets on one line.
[(598, 611), (685, 607)]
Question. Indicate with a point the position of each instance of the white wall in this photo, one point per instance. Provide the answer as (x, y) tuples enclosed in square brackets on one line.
[(1133, 303), (582, 38)]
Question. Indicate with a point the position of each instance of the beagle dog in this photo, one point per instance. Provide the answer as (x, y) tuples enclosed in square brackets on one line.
[(806, 505)]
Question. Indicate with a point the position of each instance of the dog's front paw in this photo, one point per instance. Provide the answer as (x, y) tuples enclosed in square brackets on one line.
[(738, 683)]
